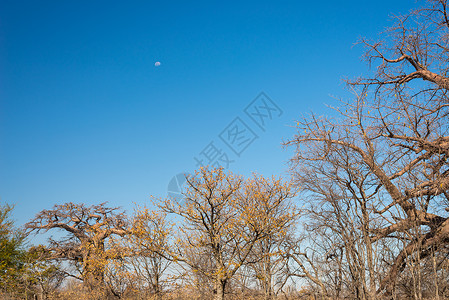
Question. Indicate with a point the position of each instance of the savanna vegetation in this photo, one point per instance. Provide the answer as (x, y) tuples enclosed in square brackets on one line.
[(363, 216)]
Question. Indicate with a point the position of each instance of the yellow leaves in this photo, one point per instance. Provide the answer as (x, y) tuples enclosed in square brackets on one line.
[(222, 212)]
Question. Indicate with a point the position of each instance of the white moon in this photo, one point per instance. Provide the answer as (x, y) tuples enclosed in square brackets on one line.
[(157, 64)]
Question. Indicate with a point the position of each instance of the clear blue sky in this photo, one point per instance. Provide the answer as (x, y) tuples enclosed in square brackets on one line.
[(86, 116)]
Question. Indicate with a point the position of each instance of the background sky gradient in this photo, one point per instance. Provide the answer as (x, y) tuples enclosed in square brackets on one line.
[(86, 116)]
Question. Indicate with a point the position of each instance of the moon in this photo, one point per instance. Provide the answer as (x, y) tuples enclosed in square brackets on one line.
[(157, 64)]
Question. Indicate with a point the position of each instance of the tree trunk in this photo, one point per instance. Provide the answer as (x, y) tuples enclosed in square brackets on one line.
[(220, 289), (157, 288), (267, 280), (93, 275)]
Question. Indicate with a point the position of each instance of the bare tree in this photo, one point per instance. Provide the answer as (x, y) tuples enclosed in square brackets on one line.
[(397, 128), (338, 256)]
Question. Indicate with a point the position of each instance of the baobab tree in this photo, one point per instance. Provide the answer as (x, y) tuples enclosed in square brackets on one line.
[(88, 229)]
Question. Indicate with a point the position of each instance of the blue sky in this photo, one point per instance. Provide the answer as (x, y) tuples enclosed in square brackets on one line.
[(86, 116)]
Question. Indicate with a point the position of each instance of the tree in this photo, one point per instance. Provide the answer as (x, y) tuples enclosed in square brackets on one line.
[(12, 253), (42, 276), (150, 231), (224, 216), (397, 128), (337, 217), (86, 244), (266, 260)]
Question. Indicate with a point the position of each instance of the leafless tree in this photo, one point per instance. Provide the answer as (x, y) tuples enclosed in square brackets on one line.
[(397, 130)]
